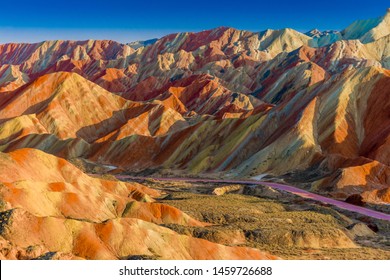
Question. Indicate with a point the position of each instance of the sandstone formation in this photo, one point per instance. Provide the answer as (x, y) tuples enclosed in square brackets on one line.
[(224, 100), (50, 208), (311, 108)]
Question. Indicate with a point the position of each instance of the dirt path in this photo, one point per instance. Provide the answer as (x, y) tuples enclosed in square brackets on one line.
[(287, 188)]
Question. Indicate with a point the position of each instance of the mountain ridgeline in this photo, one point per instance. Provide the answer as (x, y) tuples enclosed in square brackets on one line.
[(311, 108)]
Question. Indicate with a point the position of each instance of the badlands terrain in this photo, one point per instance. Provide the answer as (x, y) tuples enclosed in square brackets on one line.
[(87, 128)]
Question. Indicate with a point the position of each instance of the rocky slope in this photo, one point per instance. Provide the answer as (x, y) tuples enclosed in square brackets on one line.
[(50, 206), (310, 108), (226, 100)]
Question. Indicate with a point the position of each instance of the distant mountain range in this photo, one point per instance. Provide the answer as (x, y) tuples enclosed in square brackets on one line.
[(223, 100)]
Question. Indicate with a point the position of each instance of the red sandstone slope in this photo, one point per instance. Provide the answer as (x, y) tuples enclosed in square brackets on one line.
[(77, 215), (74, 108), (276, 102)]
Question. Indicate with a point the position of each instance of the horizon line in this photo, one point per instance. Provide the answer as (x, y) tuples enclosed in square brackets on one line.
[(101, 34)]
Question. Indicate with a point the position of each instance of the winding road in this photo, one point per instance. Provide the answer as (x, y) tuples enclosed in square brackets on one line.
[(287, 188)]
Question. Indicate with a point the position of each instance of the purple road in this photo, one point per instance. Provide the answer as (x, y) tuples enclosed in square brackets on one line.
[(287, 188)]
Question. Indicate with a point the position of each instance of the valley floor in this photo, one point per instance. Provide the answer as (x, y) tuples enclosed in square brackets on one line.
[(281, 223)]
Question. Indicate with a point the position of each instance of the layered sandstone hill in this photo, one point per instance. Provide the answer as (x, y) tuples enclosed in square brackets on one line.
[(309, 106), (48, 206)]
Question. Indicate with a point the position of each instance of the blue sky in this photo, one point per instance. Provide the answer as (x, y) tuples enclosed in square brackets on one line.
[(126, 21)]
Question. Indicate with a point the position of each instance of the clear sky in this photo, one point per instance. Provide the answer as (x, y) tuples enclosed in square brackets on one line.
[(127, 21)]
